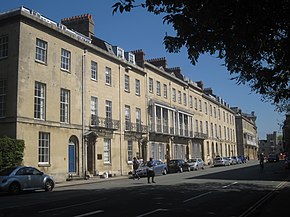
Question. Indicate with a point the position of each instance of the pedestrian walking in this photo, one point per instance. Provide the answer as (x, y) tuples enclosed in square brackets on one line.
[(135, 168), (150, 170)]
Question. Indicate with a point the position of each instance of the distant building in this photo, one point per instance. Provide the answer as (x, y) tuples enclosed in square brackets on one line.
[(270, 145), (247, 137)]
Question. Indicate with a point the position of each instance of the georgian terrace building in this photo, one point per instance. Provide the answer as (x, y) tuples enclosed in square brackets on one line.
[(185, 119), (84, 106)]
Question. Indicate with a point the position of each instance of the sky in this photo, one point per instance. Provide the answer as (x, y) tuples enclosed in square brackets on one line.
[(142, 30)]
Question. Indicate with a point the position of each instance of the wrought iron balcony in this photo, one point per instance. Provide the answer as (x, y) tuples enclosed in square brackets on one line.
[(106, 123), (137, 128), (199, 135)]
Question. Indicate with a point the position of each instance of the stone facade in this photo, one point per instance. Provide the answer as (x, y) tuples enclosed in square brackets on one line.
[(85, 107)]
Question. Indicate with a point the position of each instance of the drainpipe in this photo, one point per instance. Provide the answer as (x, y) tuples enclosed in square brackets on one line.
[(120, 118), (84, 159)]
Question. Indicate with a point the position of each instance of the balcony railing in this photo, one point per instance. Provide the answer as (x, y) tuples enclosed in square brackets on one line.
[(199, 135), (107, 123), (137, 128)]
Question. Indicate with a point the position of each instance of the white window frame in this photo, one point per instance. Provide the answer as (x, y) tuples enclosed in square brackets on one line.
[(120, 52), (39, 100), (108, 76), (108, 109), (41, 51), (130, 151), (65, 60), (94, 105), (165, 91), (158, 88), (64, 105), (131, 58), (137, 87), (107, 151), (127, 83), (127, 117), (174, 94), (184, 99), (151, 87), (94, 70), (179, 96), (44, 148)]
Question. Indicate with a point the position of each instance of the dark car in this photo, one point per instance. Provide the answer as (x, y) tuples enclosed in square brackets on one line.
[(20, 178), (178, 165), (273, 158), (243, 158), (160, 168)]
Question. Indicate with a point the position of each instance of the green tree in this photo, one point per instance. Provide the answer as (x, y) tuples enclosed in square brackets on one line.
[(11, 152), (251, 37)]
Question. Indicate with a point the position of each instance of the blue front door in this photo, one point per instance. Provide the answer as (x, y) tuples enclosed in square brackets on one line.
[(71, 158)]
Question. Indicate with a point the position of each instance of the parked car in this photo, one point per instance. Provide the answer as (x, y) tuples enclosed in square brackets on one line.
[(239, 160), (243, 159), (160, 168), (221, 161), (233, 160), (273, 158), (20, 178), (178, 165), (196, 163)]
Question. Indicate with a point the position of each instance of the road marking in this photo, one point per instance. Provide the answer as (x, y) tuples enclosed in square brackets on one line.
[(154, 211), (251, 209), (225, 186), (89, 213), (198, 196), (64, 207)]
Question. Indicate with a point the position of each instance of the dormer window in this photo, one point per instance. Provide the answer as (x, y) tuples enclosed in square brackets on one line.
[(120, 53), (130, 57)]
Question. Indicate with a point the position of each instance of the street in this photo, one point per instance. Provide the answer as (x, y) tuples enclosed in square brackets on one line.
[(238, 190)]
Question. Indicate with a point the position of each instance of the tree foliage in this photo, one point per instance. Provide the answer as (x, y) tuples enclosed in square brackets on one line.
[(252, 37), (11, 152)]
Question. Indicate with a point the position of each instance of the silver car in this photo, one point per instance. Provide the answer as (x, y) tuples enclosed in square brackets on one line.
[(221, 161), (20, 178), (160, 168), (195, 163)]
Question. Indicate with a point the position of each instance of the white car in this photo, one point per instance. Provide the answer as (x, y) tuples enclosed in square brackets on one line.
[(221, 161), (195, 163)]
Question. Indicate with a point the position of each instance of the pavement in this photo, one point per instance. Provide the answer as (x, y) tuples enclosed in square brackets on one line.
[(82, 181)]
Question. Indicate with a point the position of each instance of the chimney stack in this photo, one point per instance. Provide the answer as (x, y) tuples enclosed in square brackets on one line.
[(83, 24), (139, 57)]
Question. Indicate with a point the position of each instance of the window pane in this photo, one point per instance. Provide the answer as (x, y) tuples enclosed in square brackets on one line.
[(43, 147), (94, 70), (39, 100), (41, 50), (65, 59), (3, 46), (64, 106)]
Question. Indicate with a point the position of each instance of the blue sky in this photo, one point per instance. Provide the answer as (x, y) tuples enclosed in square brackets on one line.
[(141, 30)]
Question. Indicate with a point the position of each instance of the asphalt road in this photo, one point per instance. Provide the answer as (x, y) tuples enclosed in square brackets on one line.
[(237, 190)]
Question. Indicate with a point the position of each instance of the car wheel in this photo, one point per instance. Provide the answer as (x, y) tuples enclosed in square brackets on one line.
[(164, 172), (14, 188), (49, 185)]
